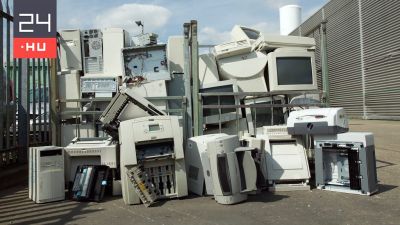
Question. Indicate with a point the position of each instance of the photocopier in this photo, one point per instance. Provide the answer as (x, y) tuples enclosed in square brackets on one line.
[(152, 159)]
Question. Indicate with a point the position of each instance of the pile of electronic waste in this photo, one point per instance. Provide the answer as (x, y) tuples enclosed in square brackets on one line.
[(116, 141)]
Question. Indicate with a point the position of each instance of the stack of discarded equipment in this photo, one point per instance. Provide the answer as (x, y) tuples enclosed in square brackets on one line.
[(146, 69), (90, 72), (344, 161), (254, 62), (137, 148)]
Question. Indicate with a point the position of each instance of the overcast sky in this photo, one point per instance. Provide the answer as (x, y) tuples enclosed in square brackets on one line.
[(166, 17)]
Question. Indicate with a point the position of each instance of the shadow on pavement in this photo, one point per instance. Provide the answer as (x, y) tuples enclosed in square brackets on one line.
[(17, 208)]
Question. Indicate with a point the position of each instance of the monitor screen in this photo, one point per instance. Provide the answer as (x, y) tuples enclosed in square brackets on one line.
[(263, 116), (294, 70), (213, 100), (251, 34)]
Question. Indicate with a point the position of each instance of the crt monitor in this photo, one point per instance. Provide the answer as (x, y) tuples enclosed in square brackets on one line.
[(244, 33), (259, 117), (292, 71), (214, 116)]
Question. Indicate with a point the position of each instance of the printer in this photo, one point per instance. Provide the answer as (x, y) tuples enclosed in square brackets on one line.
[(346, 163), (217, 165), (198, 164), (152, 160), (286, 159), (90, 151), (126, 105), (233, 170), (317, 121)]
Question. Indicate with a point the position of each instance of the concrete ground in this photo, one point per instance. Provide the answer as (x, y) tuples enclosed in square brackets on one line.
[(299, 207)]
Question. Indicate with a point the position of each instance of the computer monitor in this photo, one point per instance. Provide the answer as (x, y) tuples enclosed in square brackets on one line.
[(244, 33), (292, 71), (248, 69), (211, 116), (257, 118)]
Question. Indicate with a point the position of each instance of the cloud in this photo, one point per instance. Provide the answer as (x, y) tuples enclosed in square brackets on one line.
[(73, 22), (153, 17), (209, 35), (266, 28)]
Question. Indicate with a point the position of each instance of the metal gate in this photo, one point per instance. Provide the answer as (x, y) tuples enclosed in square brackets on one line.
[(24, 111)]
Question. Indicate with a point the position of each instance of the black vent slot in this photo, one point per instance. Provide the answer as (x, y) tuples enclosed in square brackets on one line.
[(223, 174), (240, 156), (50, 153), (354, 170)]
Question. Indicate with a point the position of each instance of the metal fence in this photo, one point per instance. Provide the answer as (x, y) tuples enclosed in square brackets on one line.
[(24, 111), (271, 107)]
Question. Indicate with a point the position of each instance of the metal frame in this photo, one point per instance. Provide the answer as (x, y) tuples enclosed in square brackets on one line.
[(257, 95), (182, 110), (190, 31)]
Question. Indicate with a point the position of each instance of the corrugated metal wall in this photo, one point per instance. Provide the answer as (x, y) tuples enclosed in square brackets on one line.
[(310, 28), (381, 29), (344, 57), (372, 91)]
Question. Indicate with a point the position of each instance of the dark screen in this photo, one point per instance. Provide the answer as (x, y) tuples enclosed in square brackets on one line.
[(251, 33), (213, 100), (262, 116), (50, 152), (294, 70)]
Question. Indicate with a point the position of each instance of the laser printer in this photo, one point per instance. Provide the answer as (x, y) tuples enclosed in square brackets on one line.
[(152, 159), (286, 159), (346, 163), (317, 121)]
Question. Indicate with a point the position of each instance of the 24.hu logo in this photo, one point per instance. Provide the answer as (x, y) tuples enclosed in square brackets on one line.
[(35, 29)]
